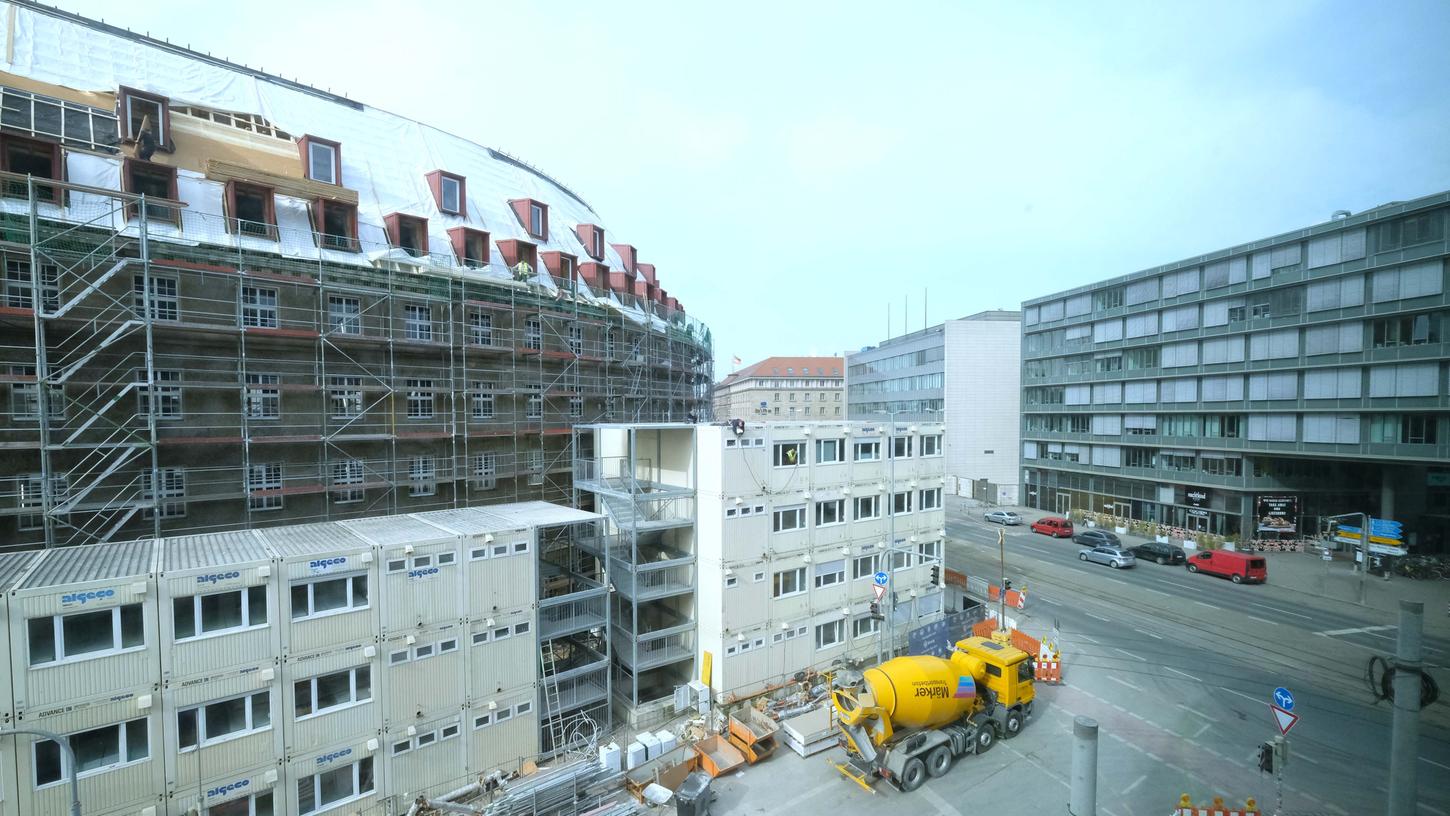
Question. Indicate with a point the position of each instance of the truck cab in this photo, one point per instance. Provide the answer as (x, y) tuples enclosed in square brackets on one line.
[(1008, 670)]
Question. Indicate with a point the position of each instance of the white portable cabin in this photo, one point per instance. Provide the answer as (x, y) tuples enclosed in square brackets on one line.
[(12, 568), (328, 585), (344, 777), (424, 673), (420, 571), (94, 668), (498, 559), (502, 731), (219, 788), (220, 606), (427, 757)]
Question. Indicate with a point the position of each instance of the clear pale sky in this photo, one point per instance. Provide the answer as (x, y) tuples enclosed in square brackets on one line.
[(793, 167)]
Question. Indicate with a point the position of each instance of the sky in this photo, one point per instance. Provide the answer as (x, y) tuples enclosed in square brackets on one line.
[(798, 170)]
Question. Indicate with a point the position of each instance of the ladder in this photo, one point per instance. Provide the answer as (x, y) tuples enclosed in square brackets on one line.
[(553, 716)]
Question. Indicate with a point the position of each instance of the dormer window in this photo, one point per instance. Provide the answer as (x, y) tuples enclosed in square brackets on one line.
[(449, 192), (536, 220), (408, 232), (470, 245), (253, 210), (533, 215), (135, 109), (158, 183), (322, 159), (336, 225), (592, 238), (28, 157)]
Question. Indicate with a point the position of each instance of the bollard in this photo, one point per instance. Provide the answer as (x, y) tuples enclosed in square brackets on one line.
[(1084, 796)]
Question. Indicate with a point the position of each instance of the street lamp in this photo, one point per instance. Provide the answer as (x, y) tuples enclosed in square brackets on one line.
[(70, 755)]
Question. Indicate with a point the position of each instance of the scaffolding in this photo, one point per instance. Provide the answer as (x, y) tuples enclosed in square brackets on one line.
[(173, 372)]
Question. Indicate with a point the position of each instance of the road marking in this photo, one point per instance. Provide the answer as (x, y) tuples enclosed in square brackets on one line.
[(1124, 682), (1156, 592), (1151, 635), (1140, 780), (1152, 756), (1436, 764), (1257, 618), (1308, 759), (1091, 640), (942, 805), (1277, 609), (1196, 713), (1209, 605), (1099, 617), (1337, 632), (1200, 731), (1185, 674), (1241, 694), (1129, 654), (1432, 809)]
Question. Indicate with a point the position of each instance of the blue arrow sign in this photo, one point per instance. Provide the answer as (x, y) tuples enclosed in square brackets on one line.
[(1283, 699), (1384, 527), (881, 578)]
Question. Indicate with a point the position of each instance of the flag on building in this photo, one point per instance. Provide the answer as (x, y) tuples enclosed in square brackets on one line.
[(735, 361)]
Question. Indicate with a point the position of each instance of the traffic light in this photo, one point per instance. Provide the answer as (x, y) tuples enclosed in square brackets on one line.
[(935, 576), (1266, 757), (1281, 753), (1006, 586), (876, 611)]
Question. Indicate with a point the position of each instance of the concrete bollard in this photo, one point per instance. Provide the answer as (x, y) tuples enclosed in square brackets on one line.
[(1084, 796)]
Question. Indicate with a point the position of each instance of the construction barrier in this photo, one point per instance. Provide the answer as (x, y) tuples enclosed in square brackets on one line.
[(1048, 671), (1016, 598), (1218, 808)]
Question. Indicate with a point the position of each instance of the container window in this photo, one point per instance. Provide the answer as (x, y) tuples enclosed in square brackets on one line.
[(521, 628), (427, 739), (447, 558), (448, 732), (503, 715), (96, 750), (329, 691), (481, 721), (400, 656), (397, 565), (329, 595), (480, 637), (523, 708), (95, 634), (422, 561), (500, 549), (501, 633), (402, 747), (450, 645), (478, 553), (420, 652)]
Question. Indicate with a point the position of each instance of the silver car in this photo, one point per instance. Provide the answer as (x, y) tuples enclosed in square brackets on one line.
[(1112, 556), (1006, 517)]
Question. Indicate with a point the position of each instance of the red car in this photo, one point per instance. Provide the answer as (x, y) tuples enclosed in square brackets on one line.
[(1055, 526), (1235, 566)]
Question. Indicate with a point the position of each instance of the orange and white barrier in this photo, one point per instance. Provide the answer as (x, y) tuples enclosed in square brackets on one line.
[(1218, 808), (1016, 598), (1048, 671)]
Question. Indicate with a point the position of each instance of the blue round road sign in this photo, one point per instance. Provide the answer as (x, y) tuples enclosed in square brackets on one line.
[(1283, 699), (881, 578)]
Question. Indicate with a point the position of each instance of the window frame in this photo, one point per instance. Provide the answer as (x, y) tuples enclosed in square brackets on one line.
[(840, 505), (838, 448), (352, 688), (779, 515), (437, 183), (269, 209), (871, 445), (44, 192), (197, 614), (63, 766), (358, 792), (310, 582), (59, 655), (838, 626), (170, 208), (780, 454), (251, 316), (347, 242), (204, 740), (777, 582), (124, 95), (305, 145)]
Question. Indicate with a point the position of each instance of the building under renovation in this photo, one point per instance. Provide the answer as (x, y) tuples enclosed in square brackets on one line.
[(232, 300)]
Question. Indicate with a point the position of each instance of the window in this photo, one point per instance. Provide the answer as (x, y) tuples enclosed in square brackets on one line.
[(163, 396), (900, 447), (223, 719), (830, 573), (259, 307), (485, 471), (345, 395), (865, 566), (1340, 338), (789, 454), (420, 398), (165, 303), (140, 111), (172, 485), (930, 499), (830, 512), (31, 497), (1407, 380), (928, 552), (1274, 345), (324, 159), (417, 322), (790, 519), (1414, 229), (470, 245), (422, 476), (867, 507), (85, 634), (264, 396), (448, 192), (408, 233), (901, 503), (318, 695), (481, 401), (1108, 298), (534, 407), (96, 750), (1331, 428), (1410, 281), (19, 287), (829, 634), (1406, 429), (1406, 330), (258, 804), (865, 626), (154, 181), (480, 328), (344, 315), (790, 582), (1273, 427), (26, 157), (576, 407), (321, 596), (1336, 293), (252, 209), (533, 334), (536, 467), (1278, 385), (931, 445), (323, 790), (537, 222), (336, 225), (868, 451), (345, 475)]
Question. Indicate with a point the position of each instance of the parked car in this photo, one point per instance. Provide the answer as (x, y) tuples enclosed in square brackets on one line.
[(1235, 566), (1162, 553), (1112, 556), (1055, 526), (1006, 517), (1097, 537)]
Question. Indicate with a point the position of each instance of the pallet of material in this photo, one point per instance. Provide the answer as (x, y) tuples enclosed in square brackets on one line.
[(812, 732)]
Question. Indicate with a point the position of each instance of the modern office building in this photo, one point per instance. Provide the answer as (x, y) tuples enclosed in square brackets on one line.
[(791, 389), (964, 373), (233, 300), (1255, 388), (756, 543), (341, 667)]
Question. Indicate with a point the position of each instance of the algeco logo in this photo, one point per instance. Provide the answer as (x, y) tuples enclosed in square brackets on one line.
[(217, 576), (422, 573), (74, 598), (326, 564), (223, 790), (326, 758)]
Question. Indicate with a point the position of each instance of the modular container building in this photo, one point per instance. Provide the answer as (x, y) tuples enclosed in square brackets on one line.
[(420, 571)]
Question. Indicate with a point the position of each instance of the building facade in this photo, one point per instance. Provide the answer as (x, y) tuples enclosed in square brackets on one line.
[(762, 541), (331, 667), (964, 373), (238, 301), (790, 389), (1255, 389)]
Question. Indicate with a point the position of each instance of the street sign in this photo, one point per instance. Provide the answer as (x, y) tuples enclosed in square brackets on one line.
[(1283, 719), (881, 579), (880, 590), (1385, 527), (1352, 535), (1283, 699)]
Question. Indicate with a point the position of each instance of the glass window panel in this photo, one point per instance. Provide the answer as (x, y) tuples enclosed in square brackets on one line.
[(88, 632)]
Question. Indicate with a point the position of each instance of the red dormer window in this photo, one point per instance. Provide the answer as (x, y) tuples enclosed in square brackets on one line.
[(408, 232), (592, 238), (628, 254), (534, 215), (321, 159), (449, 192), (135, 106), (515, 252), (561, 264), (470, 245)]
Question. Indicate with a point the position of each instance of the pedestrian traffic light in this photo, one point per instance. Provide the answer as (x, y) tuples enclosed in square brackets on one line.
[(1266, 757), (935, 576), (876, 610), (1006, 586)]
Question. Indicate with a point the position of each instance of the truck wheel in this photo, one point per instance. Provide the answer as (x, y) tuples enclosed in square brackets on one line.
[(1193, 568), (912, 774), (939, 761), (1237, 579), (1013, 724), (986, 738)]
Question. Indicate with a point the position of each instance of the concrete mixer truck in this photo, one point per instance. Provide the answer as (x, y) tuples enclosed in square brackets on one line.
[(911, 717)]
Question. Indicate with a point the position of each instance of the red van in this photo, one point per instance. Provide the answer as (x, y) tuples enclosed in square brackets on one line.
[(1055, 526), (1235, 566)]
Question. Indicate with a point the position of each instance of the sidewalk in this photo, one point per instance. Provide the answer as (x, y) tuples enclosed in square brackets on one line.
[(1311, 580)]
